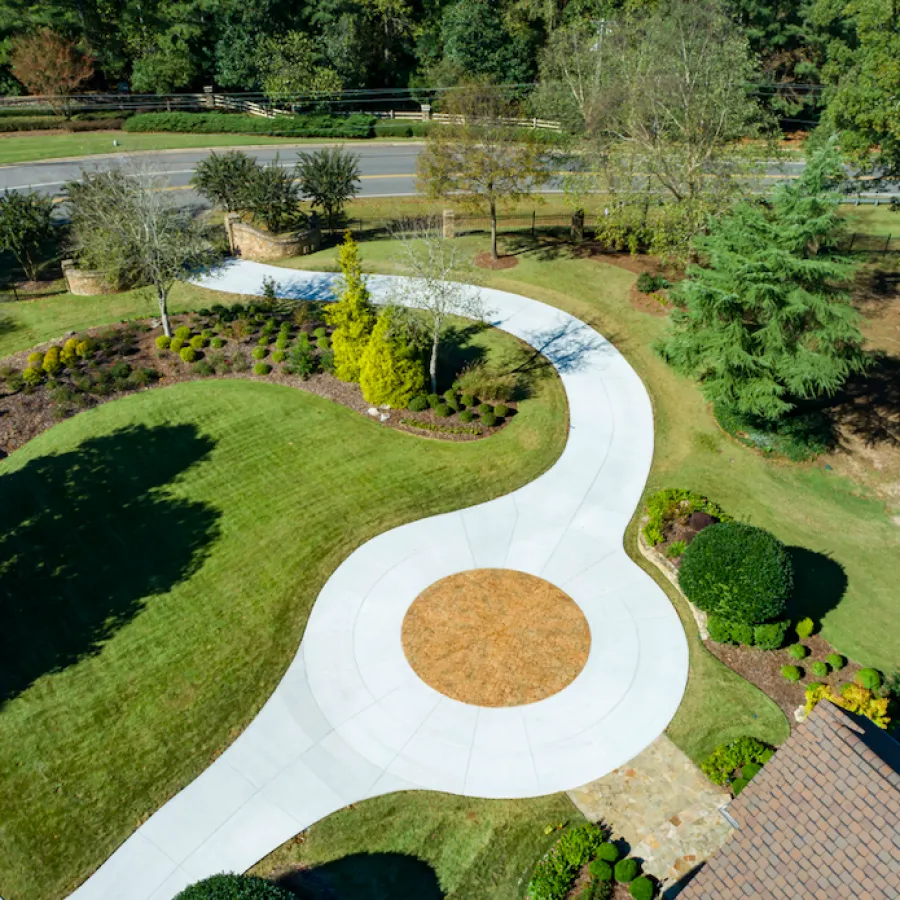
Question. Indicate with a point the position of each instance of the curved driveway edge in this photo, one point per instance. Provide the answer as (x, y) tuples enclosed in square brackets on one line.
[(351, 720)]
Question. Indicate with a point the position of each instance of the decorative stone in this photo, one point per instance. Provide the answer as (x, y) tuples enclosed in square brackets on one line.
[(800, 713), (373, 412)]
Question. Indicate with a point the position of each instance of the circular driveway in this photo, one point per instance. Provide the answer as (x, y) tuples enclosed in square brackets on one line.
[(352, 720)]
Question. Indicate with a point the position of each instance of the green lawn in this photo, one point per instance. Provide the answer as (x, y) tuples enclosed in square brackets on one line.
[(181, 537), (423, 845), (879, 219)]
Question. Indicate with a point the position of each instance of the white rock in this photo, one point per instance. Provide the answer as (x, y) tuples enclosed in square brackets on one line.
[(372, 411)]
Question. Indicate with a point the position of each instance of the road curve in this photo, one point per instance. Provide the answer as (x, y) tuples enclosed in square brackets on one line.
[(351, 719)]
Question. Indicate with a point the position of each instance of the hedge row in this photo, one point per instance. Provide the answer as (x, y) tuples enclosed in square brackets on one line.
[(46, 123), (353, 126)]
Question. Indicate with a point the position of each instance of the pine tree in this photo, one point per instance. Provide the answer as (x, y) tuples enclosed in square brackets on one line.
[(352, 316), (767, 321), (392, 371)]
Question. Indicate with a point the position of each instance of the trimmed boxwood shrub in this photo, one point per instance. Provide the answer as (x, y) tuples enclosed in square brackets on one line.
[(467, 400), (608, 852), (467, 416), (434, 400), (442, 410), (798, 651), (489, 420), (217, 343), (418, 404), (749, 771), (188, 354), (738, 785), (259, 353), (486, 409), (742, 633), (770, 635), (501, 410), (163, 341), (176, 344), (642, 888), (805, 628), (737, 571), (234, 887), (626, 870), (278, 356), (183, 333), (198, 342), (870, 679), (819, 668), (320, 333), (601, 870), (836, 661), (719, 629), (262, 368), (791, 673)]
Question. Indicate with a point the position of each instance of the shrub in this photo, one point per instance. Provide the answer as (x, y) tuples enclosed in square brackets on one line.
[(791, 673), (750, 771), (439, 428), (650, 284), (282, 342), (217, 343), (262, 368), (804, 628), (183, 333), (466, 416), (188, 354), (204, 369), (84, 348), (391, 370), (721, 764), (770, 635), (52, 364), (450, 397), (278, 356), (798, 651), (675, 549), (501, 410), (836, 661), (738, 785), (854, 698), (742, 633), (36, 359), (818, 668), (442, 410), (119, 370), (626, 870), (321, 125), (870, 679), (665, 506), (418, 404), (142, 377), (482, 381), (608, 852), (263, 341), (323, 344), (467, 400), (259, 353), (32, 376), (198, 342), (320, 333), (326, 361), (433, 400), (554, 875), (485, 409), (163, 341), (719, 629), (489, 420), (176, 344), (601, 870), (737, 571), (642, 888), (234, 887)]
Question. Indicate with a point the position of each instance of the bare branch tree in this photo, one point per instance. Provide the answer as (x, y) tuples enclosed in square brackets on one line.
[(438, 288)]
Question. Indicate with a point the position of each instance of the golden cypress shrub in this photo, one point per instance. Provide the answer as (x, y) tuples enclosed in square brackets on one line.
[(392, 372)]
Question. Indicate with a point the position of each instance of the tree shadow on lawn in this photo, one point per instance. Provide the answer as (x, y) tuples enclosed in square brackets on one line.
[(7, 326), (458, 351), (86, 536), (366, 876), (869, 404), (819, 584)]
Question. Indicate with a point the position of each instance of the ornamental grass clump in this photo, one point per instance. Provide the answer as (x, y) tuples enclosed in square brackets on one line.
[(737, 571)]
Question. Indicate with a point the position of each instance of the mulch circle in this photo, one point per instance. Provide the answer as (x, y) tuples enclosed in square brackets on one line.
[(486, 261), (656, 304), (495, 637)]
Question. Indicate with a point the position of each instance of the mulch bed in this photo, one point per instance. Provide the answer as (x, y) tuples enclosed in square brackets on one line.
[(486, 261), (582, 882), (656, 304), (26, 413)]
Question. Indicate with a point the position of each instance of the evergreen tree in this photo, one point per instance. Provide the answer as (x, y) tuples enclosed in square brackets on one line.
[(392, 371), (766, 322), (353, 316)]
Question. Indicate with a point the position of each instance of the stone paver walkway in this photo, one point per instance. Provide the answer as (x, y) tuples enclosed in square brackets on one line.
[(352, 720), (663, 805)]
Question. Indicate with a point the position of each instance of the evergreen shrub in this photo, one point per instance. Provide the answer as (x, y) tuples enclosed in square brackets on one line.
[(770, 635), (870, 679), (163, 341), (642, 888), (626, 870), (791, 673), (262, 368), (259, 353), (418, 404), (188, 354), (234, 887)]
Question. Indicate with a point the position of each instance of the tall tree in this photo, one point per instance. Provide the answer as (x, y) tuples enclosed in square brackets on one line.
[(24, 227), (292, 64), (329, 178), (766, 322), (481, 162)]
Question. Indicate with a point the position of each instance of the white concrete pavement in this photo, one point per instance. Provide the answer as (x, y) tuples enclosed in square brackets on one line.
[(352, 720)]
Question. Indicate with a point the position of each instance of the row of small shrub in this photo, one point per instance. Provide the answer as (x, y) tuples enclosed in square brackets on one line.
[(46, 123), (326, 126), (400, 129), (667, 505), (441, 429), (465, 404), (766, 636)]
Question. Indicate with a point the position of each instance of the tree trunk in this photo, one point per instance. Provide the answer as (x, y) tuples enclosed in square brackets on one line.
[(432, 366), (161, 298), (494, 232)]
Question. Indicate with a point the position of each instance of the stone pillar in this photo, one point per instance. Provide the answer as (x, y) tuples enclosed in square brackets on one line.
[(449, 223), (426, 112)]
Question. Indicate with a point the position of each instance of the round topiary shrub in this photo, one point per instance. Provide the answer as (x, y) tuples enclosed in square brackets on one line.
[(263, 341), (467, 400), (770, 635), (719, 629), (750, 770), (198, 342), (32, 376), (418, 404), (262, 368), (742, 633), (163, 341), (819, 668), (608, 852), (321, 333), (626, 870), (217, 343), (279, 356), (188, 354), (798, 651), (642, 888), (805, 628), (467, 416), (234, 887), (486, 409), (183, 332), (259, 353), (35, 359), (433, 400), (870, 679), (501, 410), (176, 344), (791, 673), (601, 870), (489, 420), (443, 410), (737, 571), (738, 785), (836, 661)]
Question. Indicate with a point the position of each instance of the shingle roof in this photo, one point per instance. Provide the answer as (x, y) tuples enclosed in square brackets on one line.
[(821, 820)]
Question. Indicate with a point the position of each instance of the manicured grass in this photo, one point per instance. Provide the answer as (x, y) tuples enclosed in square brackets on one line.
[(424, 845), (169, 570), (879, 219), (31, 148)]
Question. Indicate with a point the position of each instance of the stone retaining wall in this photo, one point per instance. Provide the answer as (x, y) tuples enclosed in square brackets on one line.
[(86, 282), (255, 244)]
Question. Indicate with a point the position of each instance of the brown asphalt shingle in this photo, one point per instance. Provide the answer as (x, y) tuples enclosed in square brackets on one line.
[(821, 820)]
